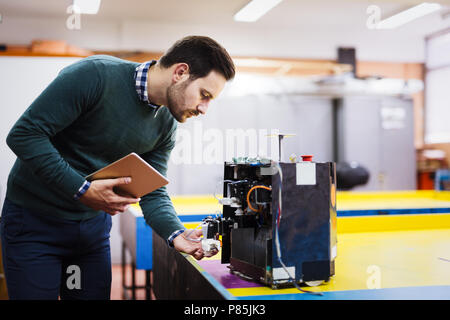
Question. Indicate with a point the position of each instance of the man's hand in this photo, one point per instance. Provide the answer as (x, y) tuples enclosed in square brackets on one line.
[(191, 245), (101, 196)]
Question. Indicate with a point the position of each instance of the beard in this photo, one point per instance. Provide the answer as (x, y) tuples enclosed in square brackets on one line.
[(175, 101)]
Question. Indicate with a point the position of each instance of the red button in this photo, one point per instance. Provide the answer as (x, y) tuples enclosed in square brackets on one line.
[(307, 158)]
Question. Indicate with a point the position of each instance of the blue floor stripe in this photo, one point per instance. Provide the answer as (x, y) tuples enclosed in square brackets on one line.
[(193, 217), (342, 213), (348, 213), (407, 293)]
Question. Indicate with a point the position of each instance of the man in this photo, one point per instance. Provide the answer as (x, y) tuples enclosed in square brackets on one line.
[(95, 112)]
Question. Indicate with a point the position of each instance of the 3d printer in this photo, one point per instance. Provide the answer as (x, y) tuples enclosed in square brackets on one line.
[(278, 224)]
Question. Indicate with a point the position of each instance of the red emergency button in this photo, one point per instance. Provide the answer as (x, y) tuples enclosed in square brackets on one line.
[(307, 158)]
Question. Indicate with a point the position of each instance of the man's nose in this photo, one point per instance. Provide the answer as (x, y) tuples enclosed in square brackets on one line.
[(202, 108)]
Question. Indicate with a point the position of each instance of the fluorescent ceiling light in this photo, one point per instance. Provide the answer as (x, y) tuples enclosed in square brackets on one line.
[(408, 15), (255, 9), (86, 6)]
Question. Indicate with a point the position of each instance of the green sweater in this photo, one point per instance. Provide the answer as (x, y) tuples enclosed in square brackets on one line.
[(88, 117)]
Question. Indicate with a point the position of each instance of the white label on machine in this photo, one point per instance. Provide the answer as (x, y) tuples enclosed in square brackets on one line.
[(280, 273), (306, 173)]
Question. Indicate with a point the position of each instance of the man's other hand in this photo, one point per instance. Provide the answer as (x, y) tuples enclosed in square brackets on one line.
[(190, 243), (101, 196)]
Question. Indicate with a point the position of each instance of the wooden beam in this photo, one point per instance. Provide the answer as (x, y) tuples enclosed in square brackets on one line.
[(396, 70), (45, 49)]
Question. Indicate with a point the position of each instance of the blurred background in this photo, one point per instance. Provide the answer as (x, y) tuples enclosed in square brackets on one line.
[(361, 83)]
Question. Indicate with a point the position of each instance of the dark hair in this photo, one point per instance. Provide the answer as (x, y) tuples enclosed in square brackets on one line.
[(202, 54)]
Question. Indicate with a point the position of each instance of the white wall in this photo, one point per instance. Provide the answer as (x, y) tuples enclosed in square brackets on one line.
[(21, 80), (319, 42)]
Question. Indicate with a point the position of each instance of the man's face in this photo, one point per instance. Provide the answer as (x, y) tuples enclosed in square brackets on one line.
[(187, 98)]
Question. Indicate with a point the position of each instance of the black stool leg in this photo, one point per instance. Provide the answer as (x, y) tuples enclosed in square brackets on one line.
[(124, 287), (133, 280), (148, 285)]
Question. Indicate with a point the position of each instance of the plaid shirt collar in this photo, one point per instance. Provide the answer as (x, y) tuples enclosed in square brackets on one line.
[(140, 76)]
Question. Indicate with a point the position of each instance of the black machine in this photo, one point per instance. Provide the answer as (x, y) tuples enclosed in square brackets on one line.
[(279, 221)]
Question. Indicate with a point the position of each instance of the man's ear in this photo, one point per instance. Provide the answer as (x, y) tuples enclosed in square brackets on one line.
[(180, 72)]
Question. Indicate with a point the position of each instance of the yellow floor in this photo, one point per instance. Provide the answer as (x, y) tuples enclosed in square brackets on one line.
[(345, 200), (392, 200), (381, 260), (382, 252)]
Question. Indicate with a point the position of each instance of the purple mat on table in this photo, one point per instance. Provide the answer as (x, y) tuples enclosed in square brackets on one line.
[(221, 273)]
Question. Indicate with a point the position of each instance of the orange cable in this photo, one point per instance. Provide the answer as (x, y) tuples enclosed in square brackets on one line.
[(250, 191)]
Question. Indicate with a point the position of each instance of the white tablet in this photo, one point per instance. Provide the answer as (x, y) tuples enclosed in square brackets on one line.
[(144, 178)]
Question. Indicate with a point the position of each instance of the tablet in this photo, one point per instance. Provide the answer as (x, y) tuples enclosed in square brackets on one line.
[(144, 178)]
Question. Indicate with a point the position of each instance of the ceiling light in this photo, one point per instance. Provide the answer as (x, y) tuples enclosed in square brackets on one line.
[(87, 6), (255, 9), (408, 15)]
